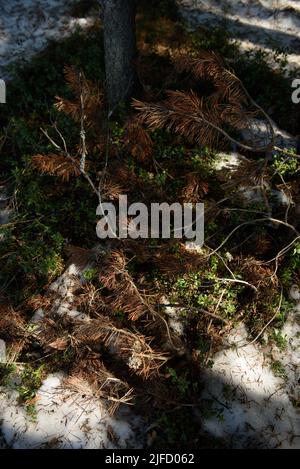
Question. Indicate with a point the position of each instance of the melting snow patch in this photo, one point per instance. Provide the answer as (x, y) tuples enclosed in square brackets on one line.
[(257, 24), (2, 351), (230, 160), (66, 420), (250, 406), (27, 27)]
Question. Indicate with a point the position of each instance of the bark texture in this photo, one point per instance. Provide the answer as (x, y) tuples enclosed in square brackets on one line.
[(120, 49)]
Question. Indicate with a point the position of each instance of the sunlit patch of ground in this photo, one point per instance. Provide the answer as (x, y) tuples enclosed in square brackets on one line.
[(26, 27), (64, 419), (254, 393), (263, 24)]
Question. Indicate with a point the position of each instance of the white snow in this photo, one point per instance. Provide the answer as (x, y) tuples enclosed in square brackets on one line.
[(295, 292), (256, 24), (26, 27), (251, 406), (174, 317), (65, 419), (2, 351), (230, 160), (257, 133)]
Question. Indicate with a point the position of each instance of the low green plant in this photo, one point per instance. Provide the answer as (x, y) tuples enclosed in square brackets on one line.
[(90, 274), (278, 369), (278, 338), (286, 165), (180, 381), (6, 371)]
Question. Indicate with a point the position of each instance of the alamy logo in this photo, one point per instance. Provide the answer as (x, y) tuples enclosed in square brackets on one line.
[(2, 92), (159, 221), (296, 93)]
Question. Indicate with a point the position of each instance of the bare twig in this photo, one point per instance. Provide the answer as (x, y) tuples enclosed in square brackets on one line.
[(82, 130), (266, 325)]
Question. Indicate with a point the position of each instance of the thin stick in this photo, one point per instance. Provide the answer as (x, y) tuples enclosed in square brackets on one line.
[(267, 325), (250, 222), (82, 131)]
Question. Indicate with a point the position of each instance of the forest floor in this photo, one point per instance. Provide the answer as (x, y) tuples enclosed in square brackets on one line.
[(27, 27), (237, 383), (264, 24), (257, 404)]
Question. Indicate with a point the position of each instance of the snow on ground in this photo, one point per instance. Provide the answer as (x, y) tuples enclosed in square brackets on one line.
[(26, 27), (65, 419), (251, 393), (249, 405), (257, 24)]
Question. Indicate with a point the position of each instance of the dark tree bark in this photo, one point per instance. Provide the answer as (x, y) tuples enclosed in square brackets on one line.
[(119, 49)]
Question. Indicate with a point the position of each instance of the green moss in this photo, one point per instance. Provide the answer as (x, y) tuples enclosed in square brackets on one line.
[(278, 369), (278, 338), (181, 382), (51, 214), (90, 274), (6, 371), (285, 165)]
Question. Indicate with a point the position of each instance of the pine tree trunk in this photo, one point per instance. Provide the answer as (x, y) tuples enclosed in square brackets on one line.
[(120, 49)]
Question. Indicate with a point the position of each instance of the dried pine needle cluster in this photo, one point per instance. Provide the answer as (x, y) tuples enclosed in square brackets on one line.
[(205, 120), (125, 338)]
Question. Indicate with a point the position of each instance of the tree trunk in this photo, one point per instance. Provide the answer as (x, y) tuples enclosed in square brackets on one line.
[(119, 49)]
